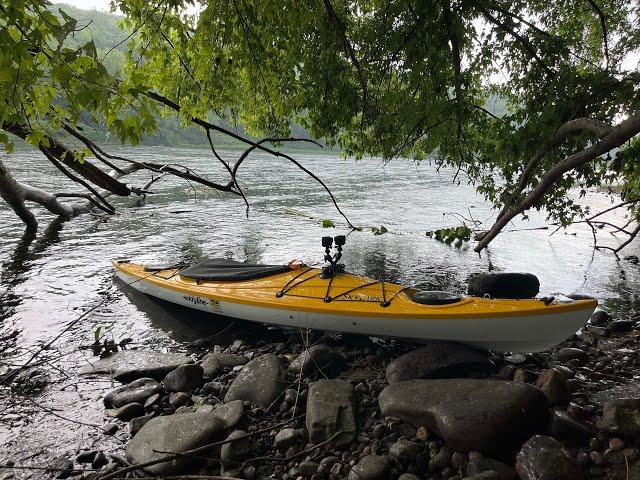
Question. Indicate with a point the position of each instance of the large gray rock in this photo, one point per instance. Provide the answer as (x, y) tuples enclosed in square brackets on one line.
[(319, 360), (469, 414), (215, 363), (371, 467), (183, 378), (544, 458), (438, 360), (330, 409), (128, 365), (137, 391), (260, 381), (621, 417), (173, 433)]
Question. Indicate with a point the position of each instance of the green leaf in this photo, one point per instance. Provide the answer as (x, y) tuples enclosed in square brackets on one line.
[(379, 231), (7, 74), (36, 138)]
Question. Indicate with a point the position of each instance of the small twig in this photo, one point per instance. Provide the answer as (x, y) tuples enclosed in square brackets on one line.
[(295, 455)]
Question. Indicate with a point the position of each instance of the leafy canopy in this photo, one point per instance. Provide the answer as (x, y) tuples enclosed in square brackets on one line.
[(377, 77), (403, 78)]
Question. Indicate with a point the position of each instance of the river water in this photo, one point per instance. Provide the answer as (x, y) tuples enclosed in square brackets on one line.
[(65, 270)]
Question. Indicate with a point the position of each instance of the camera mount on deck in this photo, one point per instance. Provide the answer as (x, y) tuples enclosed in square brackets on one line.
[(332, 266)]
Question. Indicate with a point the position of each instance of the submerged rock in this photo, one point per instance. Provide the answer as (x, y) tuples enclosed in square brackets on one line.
[(173, 433), (260, 381), (61, 467), (137, 391), (215, 363), (544, 458), (128, 365), (438, 360), (183, 378), (319, 360), (469, 414), (330, 409)]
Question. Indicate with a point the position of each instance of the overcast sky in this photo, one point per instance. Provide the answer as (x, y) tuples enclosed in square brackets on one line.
[(88, 4)]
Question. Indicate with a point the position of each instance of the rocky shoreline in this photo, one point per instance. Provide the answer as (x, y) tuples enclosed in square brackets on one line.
[(313, 406)]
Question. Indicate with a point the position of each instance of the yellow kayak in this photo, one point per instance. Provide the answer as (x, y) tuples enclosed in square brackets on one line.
[(302, 298)]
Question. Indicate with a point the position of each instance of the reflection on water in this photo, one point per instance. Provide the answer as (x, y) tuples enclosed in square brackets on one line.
[(49, 280)]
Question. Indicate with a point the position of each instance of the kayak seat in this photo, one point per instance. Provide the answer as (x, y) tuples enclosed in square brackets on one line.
[(230, 270), (435, 297)]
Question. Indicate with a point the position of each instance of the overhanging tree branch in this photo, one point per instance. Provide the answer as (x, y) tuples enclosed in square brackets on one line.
[(592, 125), (616, 137)]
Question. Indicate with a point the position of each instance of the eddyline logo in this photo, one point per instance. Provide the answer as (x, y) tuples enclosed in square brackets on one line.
[(195, 300)]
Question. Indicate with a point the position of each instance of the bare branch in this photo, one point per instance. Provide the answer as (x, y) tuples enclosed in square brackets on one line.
[(350, 52), (232, 173), (456, 60), (603, 24)]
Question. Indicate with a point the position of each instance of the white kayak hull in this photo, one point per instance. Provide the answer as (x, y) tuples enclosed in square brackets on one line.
[(512, 334)]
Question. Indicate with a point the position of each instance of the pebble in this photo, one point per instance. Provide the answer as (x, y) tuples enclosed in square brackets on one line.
[(184, 378), (237, 449), (422, 434), (110, 428), (371, 467), (616, 444), (405, 450), (179, 399), (286, 438), (129, 411), (99, 461), (137, 423)]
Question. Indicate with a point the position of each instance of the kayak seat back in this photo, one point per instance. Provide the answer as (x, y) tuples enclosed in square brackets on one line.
[(229, 270), (435, 297)]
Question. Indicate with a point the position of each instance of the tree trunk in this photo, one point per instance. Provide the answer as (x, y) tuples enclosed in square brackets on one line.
[(14, 194)]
